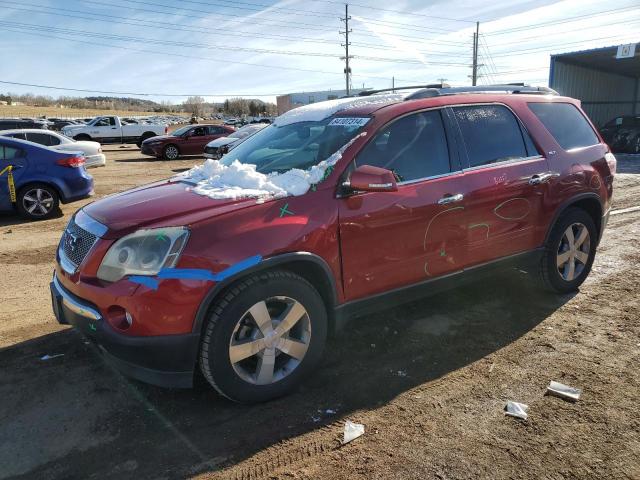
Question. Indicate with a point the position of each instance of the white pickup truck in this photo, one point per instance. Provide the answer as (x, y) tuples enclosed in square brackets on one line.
[(113, 130)]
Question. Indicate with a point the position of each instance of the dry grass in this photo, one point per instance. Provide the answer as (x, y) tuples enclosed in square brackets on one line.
[(29, 111)]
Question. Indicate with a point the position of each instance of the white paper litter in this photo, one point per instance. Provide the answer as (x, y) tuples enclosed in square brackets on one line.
[(515, 409), (352, 431), (564, 391), (49, 357), (319, 111), (241, 180)]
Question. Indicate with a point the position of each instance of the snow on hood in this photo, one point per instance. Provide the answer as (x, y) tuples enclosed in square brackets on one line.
[(240, 180), (321, 110)]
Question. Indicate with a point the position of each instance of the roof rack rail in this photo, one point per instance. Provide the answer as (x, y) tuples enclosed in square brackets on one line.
[(366, 93), (515, 88)]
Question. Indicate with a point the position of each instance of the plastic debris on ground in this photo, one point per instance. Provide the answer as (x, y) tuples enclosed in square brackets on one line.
[(515, 409), (49, 357), (352, 431), (241, 180), (564, 391)]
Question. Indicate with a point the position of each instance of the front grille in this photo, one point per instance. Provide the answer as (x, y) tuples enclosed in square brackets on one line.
[(76, 243)]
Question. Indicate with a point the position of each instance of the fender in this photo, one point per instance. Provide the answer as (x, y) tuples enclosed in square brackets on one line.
[(265, 264), (566, 204), (50, 181)]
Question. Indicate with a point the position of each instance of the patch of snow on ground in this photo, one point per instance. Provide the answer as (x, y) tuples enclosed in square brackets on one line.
[(239, 180), (321, 110)]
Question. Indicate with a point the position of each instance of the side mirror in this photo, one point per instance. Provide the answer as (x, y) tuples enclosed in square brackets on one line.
[(372, 179)]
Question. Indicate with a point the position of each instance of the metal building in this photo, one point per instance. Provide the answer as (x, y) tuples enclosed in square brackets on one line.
[(607, 80), (293, 100)]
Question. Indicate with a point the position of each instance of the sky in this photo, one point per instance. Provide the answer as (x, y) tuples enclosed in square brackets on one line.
[(170, 49)]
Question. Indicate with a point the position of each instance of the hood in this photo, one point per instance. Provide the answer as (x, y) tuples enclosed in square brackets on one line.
[(72, 127), (159, 138), (222, 141), (161, 204)]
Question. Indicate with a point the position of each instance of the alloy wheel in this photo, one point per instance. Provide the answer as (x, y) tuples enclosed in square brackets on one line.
[(171, 152), (270, 340), (37, 202), (573, 251)]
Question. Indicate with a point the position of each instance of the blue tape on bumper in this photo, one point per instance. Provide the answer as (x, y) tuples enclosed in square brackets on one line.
[(195, 273)]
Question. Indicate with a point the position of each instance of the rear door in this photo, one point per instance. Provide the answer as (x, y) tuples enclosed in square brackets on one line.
[(16, 157), (394, 239), (505, 182)]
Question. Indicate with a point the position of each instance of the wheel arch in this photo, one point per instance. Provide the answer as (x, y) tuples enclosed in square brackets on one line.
[(83, 136), (47, 183), (311, 267), (589, 202)]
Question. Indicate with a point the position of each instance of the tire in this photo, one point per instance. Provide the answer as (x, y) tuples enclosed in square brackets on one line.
[(635, 147), (232, 325), (82, 137), (170, 152), (145, 136), (37, 201), (563, 278)]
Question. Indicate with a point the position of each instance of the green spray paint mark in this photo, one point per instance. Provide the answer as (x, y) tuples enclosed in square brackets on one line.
[(284, 211), (92, 327), (443, 253)]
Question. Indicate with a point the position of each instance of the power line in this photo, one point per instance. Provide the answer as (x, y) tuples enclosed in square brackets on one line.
[(558, 22), (223, 60), (559, 46), (413, 14)]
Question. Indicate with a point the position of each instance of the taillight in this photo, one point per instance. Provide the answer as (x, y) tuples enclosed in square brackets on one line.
[(612, 162), (73, 162)]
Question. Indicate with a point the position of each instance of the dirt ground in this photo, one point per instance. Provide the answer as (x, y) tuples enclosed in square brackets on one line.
[(428, 380)]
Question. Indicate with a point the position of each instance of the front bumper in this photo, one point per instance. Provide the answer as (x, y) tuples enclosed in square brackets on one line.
[(167, 360), (154, 151)]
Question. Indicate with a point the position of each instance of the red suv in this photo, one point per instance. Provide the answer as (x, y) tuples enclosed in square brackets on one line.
[(243, 266)]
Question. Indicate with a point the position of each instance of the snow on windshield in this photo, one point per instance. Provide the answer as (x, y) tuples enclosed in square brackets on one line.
[(241, 180), (321, 110)]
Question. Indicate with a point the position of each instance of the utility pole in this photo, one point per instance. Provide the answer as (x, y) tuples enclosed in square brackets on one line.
[(474, 73), (346, 58)]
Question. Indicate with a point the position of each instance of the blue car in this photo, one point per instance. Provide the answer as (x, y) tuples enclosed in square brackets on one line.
[(40, 178)]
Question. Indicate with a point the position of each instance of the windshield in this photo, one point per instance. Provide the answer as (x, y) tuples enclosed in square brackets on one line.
[(297, 145), (181, 131)]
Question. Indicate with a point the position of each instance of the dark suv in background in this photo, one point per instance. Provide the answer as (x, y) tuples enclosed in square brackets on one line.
[(623, 134), (406, 195), (14, 123)]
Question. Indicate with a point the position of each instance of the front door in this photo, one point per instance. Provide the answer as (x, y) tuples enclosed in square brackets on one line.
[(105, 130), (505, 180), (196, 141), (393, 239)]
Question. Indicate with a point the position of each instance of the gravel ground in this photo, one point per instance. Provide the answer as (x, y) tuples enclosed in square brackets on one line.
[(428, 380)]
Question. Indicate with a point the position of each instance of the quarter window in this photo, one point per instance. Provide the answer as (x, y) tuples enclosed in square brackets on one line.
[(9, 153), (567, 125), (412, 147), (491, 134)]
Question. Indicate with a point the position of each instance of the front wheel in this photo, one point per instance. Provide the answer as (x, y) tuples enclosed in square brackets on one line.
[(170, 152), (37, 202), (570, 251), (263, 337)]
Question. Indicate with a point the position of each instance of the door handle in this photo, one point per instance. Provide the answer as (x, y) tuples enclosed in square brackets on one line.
[(539, 178), (451, 199), (114, 128)]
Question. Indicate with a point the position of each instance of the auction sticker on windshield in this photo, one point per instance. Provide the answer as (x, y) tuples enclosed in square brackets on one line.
[(349, 121)]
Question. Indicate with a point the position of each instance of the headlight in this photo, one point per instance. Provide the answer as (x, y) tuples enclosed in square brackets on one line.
[(144, 252)]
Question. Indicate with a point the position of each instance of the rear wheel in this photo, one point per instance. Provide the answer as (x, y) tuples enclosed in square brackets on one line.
[(37, 202), (569, 252), (144, 137), (263, 337), (170, 152)]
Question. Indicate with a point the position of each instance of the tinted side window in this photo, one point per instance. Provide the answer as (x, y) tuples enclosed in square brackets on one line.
[(9, 153), (41, 138), (491, 134), (567, 125), (21, 136), (7, 125), (412, 147)]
